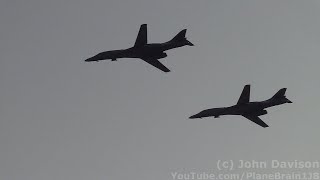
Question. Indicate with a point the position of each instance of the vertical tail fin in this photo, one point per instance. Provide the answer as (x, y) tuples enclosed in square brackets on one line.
[(281, 95), (181, 36)]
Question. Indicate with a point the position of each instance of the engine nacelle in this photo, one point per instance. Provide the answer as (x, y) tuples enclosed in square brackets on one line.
[(259, 113), (161, 55)]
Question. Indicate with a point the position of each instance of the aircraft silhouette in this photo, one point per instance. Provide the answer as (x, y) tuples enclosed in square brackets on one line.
[(250, 110), (150, 53)]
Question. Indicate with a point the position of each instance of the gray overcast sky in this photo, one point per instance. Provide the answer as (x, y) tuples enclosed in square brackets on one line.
[(62, 118)]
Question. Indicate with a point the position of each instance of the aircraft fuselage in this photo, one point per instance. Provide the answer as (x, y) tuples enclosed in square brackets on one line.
[(155, 50), (247, 109), (256, 108)]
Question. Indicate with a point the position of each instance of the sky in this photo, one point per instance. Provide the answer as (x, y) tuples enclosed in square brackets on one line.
[(63, 118)]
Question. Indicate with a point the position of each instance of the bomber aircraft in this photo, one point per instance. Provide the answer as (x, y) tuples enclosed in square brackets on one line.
[(149, 53), (250, 110)]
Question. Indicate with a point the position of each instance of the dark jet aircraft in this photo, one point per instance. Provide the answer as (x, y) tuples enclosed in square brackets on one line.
[(250, 110), (150, 53)]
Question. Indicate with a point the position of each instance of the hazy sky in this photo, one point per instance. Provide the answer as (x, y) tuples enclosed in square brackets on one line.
[(64, 119)]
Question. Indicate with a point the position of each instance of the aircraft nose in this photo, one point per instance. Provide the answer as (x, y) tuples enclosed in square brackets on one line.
[(90, 59), (194, 116)]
